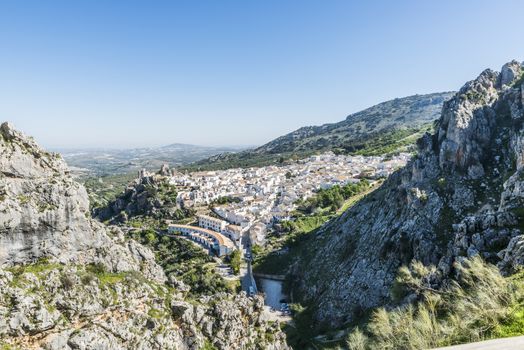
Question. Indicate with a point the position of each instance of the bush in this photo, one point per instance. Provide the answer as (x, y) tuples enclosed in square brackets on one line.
[(150, 236), (256, 250), (469, 308), (234, 261), (87, 278), (96, 268), (357, 340), (67, 282)]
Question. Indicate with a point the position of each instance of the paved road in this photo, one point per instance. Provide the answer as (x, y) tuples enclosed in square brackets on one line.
[(246, 273), (514, 343)]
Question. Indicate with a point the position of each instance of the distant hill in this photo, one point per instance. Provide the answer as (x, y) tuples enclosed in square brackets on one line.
[(384, 128), (101, 162)]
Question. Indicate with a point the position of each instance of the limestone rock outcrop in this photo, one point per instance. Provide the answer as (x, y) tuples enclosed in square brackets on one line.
[(462, 195), (148, 195), (70, 282)]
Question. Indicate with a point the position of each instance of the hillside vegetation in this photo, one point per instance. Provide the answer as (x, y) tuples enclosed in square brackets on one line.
[(281, 251), (388, 127)]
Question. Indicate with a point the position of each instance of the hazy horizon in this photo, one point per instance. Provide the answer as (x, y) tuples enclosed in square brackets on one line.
[(129, 74), (94, 148)]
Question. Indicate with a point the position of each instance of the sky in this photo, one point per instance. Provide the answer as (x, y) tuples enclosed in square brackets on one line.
[(148, 73)]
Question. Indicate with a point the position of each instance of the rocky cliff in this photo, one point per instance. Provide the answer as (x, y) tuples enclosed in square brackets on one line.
[(461, 196), (152, 196), (69, 282)]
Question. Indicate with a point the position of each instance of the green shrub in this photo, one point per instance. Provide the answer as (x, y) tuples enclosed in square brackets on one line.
[(208, 345), (357, 340), (234, 260), (87, 278), (96, 268), (332, 198), (478, 304), (185, 261), (67, 282), (150, 236)]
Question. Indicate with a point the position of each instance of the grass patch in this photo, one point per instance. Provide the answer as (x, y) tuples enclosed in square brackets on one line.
[(513, 326), (208, 345), (23, 199), (111, 278), (156, 313), (480, 304), (39, 269), (387, 142)]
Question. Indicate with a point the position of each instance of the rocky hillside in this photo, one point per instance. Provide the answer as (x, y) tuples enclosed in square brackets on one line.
[(150, 196), (462, 196), (69, 282), (386, 124)]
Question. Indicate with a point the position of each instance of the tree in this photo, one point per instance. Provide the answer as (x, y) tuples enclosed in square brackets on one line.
[(287, 226), (234, 261), (150, 236)]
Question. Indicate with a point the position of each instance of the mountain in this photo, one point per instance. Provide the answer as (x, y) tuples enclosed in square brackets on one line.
[(386, 127), (70, 282), (461, 197), (103, 162)]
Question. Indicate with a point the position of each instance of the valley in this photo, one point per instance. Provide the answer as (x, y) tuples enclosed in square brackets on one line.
[(287, 220), (261, 175), (86, 162), (351, 250)]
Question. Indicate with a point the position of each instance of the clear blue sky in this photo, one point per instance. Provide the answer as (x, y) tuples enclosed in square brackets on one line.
[(143, 73)]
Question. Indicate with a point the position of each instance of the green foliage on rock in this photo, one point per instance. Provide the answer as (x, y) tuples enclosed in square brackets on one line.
[(386, 142), (226, 200), (185, 261), (281, 250), (104, 189), (312, 214), (234, 259)]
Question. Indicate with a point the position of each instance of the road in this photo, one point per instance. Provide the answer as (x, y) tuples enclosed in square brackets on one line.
[(246, 273), (513, 343)]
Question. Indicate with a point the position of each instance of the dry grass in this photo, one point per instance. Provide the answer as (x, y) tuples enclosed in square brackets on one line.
[(469, 308)]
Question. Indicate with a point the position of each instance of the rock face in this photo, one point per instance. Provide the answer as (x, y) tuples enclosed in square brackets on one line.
[(69, 282), (45, 213), (150, 195), (462, 195)]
